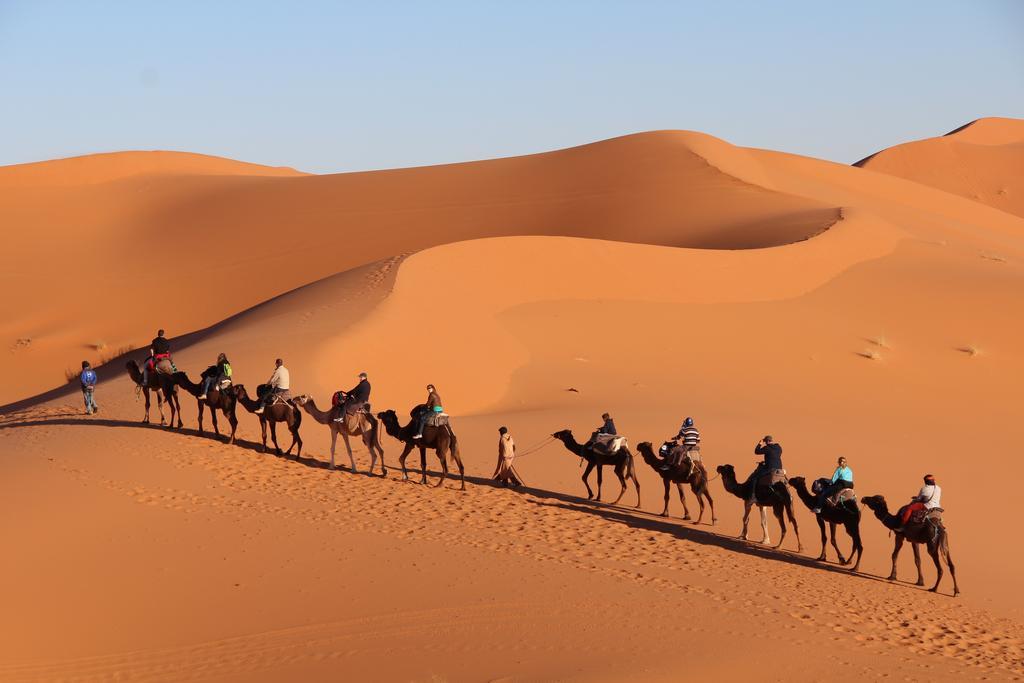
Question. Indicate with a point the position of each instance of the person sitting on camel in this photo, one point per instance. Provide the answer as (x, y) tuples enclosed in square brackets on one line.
[(433, 405), (771, 463), (607, 428), (690, 448), (220, 375), (842, 478), (278, 386), (355, 399), (159, 351), (928, 498)]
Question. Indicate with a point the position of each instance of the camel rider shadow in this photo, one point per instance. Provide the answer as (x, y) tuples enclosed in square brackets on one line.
[(429, 413)]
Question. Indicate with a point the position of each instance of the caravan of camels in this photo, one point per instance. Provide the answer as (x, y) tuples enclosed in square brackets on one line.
[(678, 461)]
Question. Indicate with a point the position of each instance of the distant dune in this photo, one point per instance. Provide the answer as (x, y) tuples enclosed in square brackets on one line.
[(983, 161), (868, 311)]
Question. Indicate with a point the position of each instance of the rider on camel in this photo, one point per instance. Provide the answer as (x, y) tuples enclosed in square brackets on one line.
[(433, 405), (355, 399), (842, 478), (279, 386), (690, 448), (221, 373), (928, 498), (771, 463), (159, 351)]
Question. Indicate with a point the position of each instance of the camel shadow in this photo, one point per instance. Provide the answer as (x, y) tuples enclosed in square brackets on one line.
[(683, 531), (253, 446)]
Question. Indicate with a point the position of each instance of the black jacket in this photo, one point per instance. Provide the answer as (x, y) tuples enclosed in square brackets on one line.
[(360, 393), (772, 453), (607, 428), (160, 346)]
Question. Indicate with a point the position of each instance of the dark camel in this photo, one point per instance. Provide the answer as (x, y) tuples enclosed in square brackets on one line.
[(215, 399), (371, 436), (279, 411), (162, 386), (934, 537), (696, 477), (621, 460), (441, 439), (846, 513), (776, 497)]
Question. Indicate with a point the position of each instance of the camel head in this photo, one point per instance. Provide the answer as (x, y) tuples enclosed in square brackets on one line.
[(798, 482), (301, 399), (645, 446), (563, 434), (876, 503), (239, 391), (726, 470)]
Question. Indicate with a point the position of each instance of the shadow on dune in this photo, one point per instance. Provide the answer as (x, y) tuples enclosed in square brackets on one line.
[(633, 518)]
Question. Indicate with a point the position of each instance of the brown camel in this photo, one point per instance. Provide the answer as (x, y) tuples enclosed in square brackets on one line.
[(215, 399), (368, 429), (846, 513), (933, 535), (279, 411), (621, 460), (441, 439), (161, 385), (696, 477), (776, 497)]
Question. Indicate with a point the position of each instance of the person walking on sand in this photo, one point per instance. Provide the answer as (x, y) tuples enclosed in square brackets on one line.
[(503, 472), (88, 381)]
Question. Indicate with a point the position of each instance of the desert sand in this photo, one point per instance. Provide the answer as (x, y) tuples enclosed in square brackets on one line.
[(870, 311)]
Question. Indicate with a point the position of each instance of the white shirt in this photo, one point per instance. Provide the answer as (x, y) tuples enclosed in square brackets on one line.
[(280, 379), (930, 495)]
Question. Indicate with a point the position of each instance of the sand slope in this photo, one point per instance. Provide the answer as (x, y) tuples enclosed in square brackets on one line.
[(845, 311), (983, 161)]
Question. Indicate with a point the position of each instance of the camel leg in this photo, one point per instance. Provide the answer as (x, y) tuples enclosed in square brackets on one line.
[(296, 441), (636, 485), (145, 392), (765, 536), (917, 561), (796, 527), (334, 443), (442, 455), (586, 473), (462, 470), (600, 476), (401, 461), (746, 519), (944, 547), (711, 503), (213, 418), (201, 408), (423, 464), (897, 546), (664, 513), (368, 442), (682, 499), (933, 550), (160, 407), (273, 436), (824, 540), (622, 481), (348, 447), (853, 528), (777, 509), (842, 560), (233, 421), (700, 501)]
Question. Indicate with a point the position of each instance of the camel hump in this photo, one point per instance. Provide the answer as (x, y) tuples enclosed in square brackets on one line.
[(608, 444)]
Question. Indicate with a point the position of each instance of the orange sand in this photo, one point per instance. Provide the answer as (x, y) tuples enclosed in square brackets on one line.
[(865, 311)]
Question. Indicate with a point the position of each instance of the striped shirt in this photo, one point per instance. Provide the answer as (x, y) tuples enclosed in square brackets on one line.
[(691, 437)]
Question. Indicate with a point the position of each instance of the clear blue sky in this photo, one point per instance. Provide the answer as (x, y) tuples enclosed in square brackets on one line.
[(339, 86)]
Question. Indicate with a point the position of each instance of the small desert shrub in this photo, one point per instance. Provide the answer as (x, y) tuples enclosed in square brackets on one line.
[(870, 354), (970, 350)]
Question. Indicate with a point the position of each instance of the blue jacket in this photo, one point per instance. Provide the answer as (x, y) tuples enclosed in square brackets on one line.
[(607, 428), (844, 473), (88, 378)]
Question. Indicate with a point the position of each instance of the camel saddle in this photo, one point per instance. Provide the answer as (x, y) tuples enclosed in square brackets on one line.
[(437, 419), (607, 444), (358, 420), (933, 515), (771, 478), (838, 498)]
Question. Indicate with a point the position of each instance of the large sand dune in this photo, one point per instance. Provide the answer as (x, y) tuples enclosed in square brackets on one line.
[(845, 310)]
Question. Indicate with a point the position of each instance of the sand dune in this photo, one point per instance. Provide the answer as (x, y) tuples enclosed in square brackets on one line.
[(845, 310), (983, 161)]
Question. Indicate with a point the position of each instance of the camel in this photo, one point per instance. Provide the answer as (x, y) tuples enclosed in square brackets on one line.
[(215, 399), (441, 439), (161, 385), (776, 497), (368, 429), (274, 413), (621, 460), (696, 477), (934, 536), (846, 513)]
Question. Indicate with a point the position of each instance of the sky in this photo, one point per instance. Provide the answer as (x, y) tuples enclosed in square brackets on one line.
[(345, 86)]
